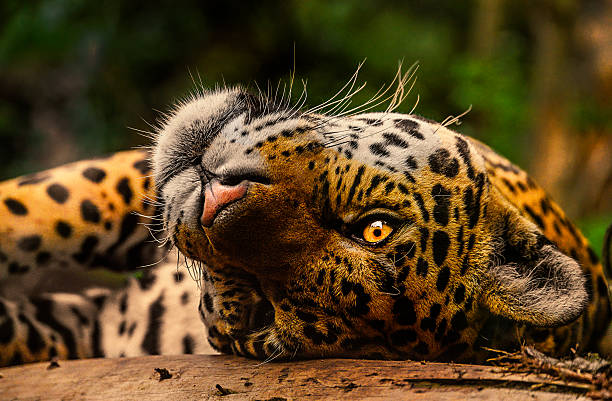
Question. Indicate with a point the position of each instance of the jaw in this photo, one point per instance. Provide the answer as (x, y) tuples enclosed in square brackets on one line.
[(235, 310)]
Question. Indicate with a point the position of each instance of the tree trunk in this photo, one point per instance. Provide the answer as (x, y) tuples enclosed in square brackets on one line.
[(191, 377)]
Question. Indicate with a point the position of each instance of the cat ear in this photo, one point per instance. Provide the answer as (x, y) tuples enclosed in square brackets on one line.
[(532, 281)]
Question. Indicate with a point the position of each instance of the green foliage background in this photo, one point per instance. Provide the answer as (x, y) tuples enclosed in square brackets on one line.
[(85, 71)]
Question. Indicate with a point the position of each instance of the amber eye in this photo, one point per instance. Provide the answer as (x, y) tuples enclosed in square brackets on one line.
[(376, 231)]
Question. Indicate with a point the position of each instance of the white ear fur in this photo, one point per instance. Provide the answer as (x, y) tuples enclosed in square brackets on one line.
[(548, 291)]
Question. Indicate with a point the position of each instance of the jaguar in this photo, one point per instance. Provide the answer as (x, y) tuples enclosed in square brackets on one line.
[(308, 234)]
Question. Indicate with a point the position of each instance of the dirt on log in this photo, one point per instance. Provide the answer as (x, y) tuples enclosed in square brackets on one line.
[(196, 377)]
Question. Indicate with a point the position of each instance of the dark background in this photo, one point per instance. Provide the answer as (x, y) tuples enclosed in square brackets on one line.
[(75, 74)]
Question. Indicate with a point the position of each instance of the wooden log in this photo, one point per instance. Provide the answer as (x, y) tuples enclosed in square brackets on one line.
[(196, 377)]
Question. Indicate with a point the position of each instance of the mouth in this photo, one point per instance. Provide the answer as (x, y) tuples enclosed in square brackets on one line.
[(237, 287), (245, 296), (262, 315)]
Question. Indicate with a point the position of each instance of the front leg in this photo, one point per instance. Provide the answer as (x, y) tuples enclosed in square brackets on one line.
[(154, 314), (47, 326)]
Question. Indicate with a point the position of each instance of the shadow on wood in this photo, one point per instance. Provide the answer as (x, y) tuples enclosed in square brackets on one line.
[(190, 377)]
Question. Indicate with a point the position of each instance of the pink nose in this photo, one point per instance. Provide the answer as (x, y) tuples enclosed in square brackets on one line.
[(217, 196)]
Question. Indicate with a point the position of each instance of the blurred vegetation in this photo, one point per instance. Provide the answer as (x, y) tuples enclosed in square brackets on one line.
[(74, 74)]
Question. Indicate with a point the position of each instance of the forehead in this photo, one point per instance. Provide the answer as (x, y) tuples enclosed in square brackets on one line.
[(399, 142), (389, 141)]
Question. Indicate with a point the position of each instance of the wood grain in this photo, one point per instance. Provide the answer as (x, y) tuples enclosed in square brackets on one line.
[(196, 377)]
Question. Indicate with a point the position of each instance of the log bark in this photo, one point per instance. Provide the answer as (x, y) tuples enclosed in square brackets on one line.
[(197, 377)]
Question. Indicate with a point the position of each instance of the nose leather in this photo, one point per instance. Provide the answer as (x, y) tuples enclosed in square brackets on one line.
[(217, 196)]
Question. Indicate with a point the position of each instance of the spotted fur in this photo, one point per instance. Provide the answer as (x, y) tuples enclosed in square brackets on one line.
[(81, 214), (479, 256)]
